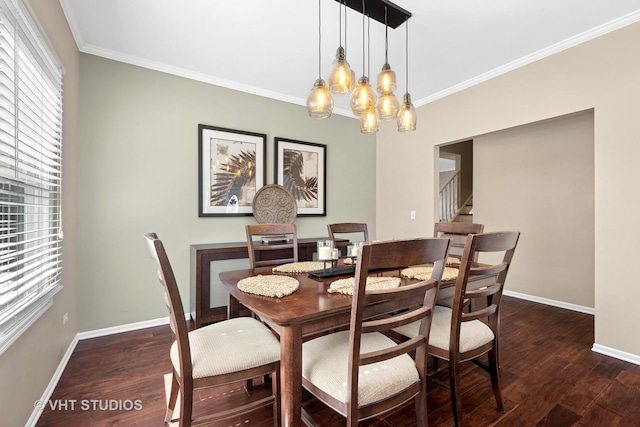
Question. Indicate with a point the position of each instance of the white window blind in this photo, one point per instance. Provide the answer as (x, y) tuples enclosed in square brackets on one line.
[(30, 172)]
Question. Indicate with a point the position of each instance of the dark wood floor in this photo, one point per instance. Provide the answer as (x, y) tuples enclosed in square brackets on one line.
[(550, 377)]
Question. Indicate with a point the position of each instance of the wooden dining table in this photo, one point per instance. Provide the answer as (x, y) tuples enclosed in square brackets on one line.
[(308, 311)]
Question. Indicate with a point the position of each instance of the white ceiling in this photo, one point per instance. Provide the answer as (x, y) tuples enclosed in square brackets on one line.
[(270, 47)]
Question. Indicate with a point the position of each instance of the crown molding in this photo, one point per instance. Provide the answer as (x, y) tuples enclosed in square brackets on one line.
[(593, 33)]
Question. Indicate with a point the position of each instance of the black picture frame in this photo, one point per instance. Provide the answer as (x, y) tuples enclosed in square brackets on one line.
[(301, 168), (231, 169)]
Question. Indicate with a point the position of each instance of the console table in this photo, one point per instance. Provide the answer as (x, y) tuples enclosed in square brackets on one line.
[(203, 254)]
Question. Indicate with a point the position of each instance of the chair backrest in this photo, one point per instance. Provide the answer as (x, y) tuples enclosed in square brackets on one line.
[(457, 232), (281, 246), (482, 282), (414, 300), (359, 229), (173, 302)]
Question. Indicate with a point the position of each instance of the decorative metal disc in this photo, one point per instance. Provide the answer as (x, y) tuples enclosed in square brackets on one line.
[(274, 204)]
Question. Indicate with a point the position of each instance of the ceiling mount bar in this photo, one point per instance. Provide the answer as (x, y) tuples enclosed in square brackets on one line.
[(375, 9)]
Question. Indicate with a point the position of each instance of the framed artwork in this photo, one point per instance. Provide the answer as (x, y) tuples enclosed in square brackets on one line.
[(301, 168), (231, 169)]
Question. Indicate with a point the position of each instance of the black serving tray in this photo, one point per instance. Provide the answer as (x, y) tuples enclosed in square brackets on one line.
[(335, 271)]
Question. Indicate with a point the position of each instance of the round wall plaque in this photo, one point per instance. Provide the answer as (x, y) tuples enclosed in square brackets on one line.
[(274, 204)]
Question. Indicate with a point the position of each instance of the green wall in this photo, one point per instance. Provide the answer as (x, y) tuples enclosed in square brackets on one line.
[(138, 172)]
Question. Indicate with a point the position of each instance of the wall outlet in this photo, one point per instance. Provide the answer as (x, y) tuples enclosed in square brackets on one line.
[(65, 318), (413, 214)]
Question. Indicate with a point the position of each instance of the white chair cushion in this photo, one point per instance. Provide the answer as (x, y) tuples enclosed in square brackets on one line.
[(229, 346), (325, 360), (473, 334)]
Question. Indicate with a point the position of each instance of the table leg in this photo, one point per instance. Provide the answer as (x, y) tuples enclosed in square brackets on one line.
[(233, 309), (291, 375)]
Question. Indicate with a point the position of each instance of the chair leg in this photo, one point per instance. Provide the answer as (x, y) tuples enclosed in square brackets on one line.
[(186, 404), (275, 389), (421, 410), (173, 396), (456, 405), (436, 364), (495, 377), (352, 421)]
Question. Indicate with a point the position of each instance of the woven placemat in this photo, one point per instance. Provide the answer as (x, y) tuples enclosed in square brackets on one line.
[(451, 260), (269, 286), (346, 286), (298, 267), (424, 273)]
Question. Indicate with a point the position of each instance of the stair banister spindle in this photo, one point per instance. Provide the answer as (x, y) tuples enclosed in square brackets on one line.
[(450, 198)]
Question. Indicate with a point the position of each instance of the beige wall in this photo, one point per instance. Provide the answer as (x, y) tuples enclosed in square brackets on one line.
[(29, 364), (138, 172), (538, 179), (602, 74)]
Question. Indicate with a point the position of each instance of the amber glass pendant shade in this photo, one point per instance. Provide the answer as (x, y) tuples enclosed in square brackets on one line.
[(369, 121), (363, 97), (387, 106), (407, 117), (386, 79), (340, 77), (320, 101)]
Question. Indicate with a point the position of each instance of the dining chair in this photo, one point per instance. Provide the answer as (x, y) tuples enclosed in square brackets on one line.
[(458, 336), (359, 229), (360, 372), (457, 232), (221, 353), (272, 244)]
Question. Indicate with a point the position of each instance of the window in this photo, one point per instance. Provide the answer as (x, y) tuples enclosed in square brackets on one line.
[(30, 172)]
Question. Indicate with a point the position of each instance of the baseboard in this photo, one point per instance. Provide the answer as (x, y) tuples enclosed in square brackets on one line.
[(607, 351), (612, 352), (35, 415), (127, 328), (551, 302), (37, 411)]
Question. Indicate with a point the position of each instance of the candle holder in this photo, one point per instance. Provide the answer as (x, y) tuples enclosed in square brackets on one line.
[(352, 250), (328, 254), (325, 254), (325, 250)]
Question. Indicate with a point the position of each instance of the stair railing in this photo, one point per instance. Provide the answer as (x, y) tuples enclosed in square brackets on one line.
[(450, 199)]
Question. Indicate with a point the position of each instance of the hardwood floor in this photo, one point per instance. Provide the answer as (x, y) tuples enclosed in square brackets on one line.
[(550, 377)]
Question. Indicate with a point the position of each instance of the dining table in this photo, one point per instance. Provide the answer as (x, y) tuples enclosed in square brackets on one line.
[(308, 311)]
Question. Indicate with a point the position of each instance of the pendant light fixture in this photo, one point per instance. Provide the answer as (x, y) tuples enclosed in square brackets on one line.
[(371, 105), (363, 96), (387, 105), (320, 100), (340, 75), (369, 120), (407, 117)]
